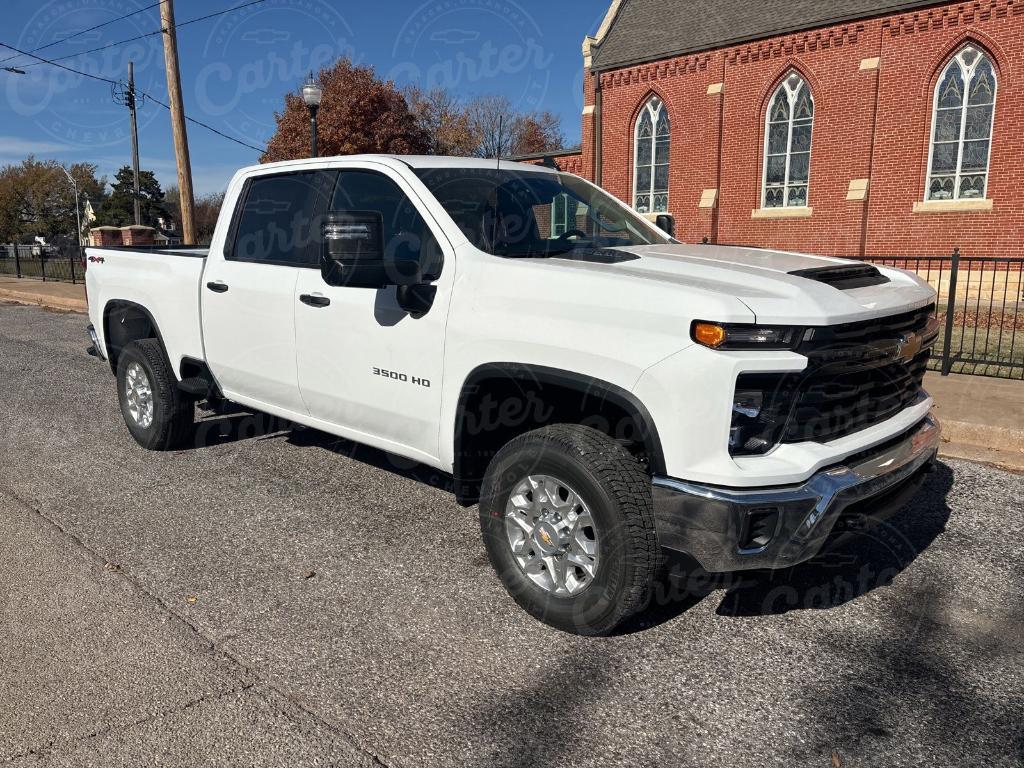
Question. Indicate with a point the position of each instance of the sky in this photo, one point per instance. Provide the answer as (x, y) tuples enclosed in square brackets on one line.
[(236, 68)]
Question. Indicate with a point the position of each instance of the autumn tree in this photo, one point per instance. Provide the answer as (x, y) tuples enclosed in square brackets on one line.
[(500, 131), (37, 200), (119, 208), (444, 121), (358, 113)]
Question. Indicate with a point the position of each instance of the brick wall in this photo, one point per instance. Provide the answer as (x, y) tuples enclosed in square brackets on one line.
[(871, 122)]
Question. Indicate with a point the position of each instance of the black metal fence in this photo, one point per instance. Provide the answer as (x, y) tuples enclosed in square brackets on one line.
[(65, 265), (980, 305), (981, 302)]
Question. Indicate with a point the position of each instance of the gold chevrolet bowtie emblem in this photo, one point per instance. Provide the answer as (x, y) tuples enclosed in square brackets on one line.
[(908, 347), (545, 537)]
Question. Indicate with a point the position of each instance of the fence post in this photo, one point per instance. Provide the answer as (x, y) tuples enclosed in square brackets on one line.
[(954, 269), (71, 258), (42, 266), (17, 261)]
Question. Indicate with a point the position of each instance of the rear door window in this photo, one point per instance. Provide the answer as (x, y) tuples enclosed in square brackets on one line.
[(278, 218)]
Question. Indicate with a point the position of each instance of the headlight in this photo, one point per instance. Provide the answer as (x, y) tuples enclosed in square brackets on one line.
[(743, 336)]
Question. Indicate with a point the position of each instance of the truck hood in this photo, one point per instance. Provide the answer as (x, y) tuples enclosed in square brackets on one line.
[(763, 280)]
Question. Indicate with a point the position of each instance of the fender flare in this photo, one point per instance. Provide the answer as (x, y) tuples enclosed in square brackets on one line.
[(591, 386), (111, 306)]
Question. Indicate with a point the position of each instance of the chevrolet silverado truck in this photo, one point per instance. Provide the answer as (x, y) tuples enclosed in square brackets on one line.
[(606, 393)]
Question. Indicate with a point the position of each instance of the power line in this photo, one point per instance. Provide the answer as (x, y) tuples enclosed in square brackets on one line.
[(82, 32), (149, 34), (115, 83), (54, 63), (205, 125)]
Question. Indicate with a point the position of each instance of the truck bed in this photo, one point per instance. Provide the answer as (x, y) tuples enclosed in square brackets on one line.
[(166, 282)]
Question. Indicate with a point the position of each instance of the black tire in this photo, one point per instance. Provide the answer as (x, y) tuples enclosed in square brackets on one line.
[(615, 487), (173, 411)]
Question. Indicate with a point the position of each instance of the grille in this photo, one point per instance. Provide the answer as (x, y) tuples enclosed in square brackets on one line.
[(851, 383), (839, 399)]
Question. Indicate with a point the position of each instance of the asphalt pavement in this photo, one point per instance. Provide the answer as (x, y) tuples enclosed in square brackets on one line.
[(275, 596)]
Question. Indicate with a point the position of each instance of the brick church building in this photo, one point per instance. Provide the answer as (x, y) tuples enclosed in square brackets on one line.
[(854, 128)]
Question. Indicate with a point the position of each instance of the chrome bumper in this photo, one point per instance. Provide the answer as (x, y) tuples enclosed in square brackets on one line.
[(729, 529)]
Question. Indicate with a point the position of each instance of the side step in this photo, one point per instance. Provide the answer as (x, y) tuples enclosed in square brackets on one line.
[(199, 386)]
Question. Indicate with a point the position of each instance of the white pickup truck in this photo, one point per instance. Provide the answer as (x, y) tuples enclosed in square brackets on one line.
[(607, 393)]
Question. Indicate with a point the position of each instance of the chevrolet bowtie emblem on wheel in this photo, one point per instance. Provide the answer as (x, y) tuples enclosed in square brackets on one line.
[(908, 346), (546, 537)]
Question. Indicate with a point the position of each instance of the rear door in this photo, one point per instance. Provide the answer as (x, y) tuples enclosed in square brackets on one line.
[(248, 289), (366, 366)]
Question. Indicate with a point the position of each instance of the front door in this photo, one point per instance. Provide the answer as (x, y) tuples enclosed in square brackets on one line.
[(248, 291), (365, 366)]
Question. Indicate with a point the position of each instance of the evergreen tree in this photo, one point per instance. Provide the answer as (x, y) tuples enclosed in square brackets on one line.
[(118, 209)]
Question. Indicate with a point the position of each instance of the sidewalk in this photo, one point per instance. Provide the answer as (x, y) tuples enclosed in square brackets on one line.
[(50, 294), (982, 418)]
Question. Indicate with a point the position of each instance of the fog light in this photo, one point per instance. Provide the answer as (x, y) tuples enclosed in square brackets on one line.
[(748, 403)]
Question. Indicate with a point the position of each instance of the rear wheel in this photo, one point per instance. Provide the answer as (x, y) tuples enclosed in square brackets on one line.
[(567, 521), (158, 415)]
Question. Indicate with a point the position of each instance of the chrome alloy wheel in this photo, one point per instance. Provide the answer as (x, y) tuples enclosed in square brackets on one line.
[(552, 535), (139, 394)]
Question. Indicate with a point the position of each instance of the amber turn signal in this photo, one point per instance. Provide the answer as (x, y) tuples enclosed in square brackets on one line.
[(709, 334)]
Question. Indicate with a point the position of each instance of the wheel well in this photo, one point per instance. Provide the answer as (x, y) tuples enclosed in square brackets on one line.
[(123, 323), (501, 401)]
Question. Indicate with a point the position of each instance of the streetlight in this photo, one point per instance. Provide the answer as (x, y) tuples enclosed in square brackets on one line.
[(311, 94), (78, 216)]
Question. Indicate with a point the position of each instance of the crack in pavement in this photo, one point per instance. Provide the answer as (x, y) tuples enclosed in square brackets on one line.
[(62, 743), (210, 644)]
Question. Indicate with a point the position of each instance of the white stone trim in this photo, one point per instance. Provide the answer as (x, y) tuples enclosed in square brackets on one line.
[(953, 206), (708, 198), (868, 65), (858, 189), (782, 213)]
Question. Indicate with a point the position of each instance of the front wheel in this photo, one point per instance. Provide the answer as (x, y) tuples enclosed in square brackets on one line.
[(568, 524)]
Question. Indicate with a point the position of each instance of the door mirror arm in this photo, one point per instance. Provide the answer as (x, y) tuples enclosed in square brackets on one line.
[(416, 299)]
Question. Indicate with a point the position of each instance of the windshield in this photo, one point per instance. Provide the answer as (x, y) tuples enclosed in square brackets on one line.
[(534, 214)]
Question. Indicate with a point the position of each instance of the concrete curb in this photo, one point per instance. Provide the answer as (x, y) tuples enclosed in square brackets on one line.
[(984, 436), (51, 302)]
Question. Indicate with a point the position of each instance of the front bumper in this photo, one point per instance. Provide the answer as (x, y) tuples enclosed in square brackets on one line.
[(730, 529)]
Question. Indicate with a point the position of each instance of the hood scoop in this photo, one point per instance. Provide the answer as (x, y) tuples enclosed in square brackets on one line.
[(844, 277)]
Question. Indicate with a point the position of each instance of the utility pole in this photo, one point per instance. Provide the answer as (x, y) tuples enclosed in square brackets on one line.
[(130, 102), (178, 121)]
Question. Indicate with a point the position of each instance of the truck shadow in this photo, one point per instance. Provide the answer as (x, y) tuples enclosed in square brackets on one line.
[(853, 565), (850, 567), (232, 424)]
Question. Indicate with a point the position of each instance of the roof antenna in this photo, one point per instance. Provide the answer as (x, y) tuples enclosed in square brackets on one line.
[(497, 165)]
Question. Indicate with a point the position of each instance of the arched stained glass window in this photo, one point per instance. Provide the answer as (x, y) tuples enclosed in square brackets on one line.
[(965, 101), (787, 144), (650, 158)]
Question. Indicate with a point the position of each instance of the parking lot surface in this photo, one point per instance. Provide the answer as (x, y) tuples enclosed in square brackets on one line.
[(280, 597)]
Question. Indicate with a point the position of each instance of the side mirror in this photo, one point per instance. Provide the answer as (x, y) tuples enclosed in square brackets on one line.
[(666, 223), (352, 252)]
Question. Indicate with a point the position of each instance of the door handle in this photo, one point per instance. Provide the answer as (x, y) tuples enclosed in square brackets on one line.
[(314, 300), (217, 287)]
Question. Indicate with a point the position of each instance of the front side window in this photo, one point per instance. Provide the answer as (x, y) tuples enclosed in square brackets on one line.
[(407, 238), (277, 221), (787, 155), (965, 100), (650, 159)]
